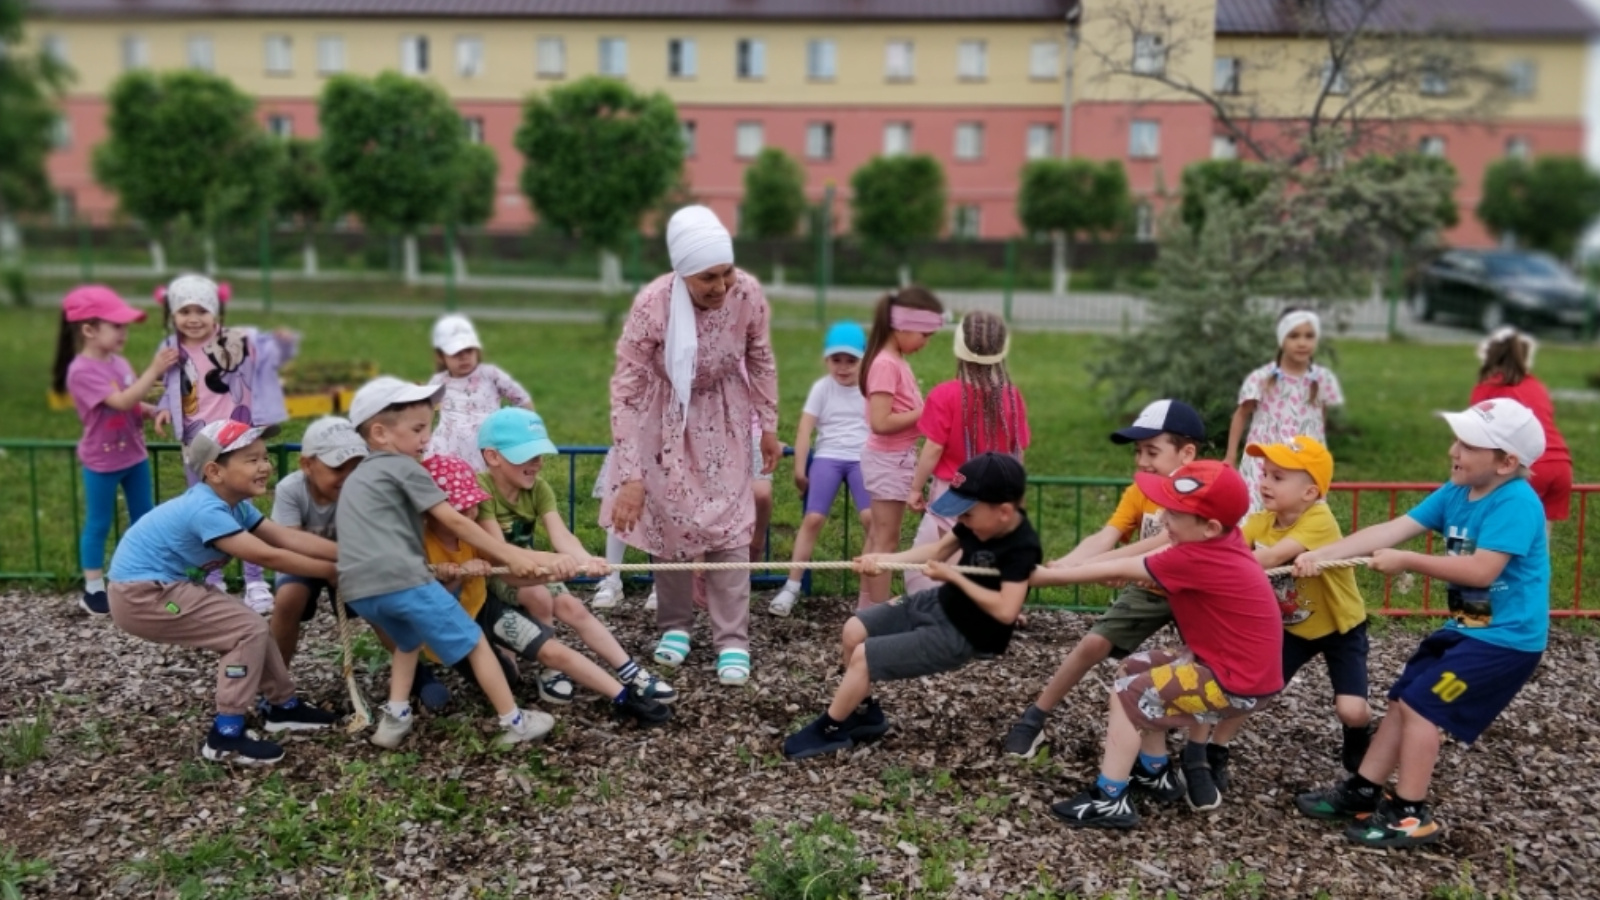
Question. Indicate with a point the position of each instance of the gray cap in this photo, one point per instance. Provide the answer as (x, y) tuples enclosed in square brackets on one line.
[(222, 437), (332, 441), (385, 391)]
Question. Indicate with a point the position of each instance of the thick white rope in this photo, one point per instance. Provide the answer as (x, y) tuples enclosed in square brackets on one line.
[(846, 565)]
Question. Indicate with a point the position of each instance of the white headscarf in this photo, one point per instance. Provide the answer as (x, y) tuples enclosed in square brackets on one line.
[(696, 241), (1293, 320)]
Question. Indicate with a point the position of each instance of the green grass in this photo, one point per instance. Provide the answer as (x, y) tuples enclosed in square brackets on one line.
[(15, 872), (23, 740), (1387, 433)]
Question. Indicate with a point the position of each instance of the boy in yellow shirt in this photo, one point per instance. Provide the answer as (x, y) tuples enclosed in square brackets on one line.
[(1322, 616)]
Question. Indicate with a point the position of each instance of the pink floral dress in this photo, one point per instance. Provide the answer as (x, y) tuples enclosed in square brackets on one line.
[(1284, 409), (466, 403), (697, 475)]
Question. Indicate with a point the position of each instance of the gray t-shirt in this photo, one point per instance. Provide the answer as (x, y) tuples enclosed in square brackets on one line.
[(380, 525), (292, 507)]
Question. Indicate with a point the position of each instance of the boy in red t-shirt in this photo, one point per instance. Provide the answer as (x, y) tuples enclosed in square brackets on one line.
[(1228, 614)]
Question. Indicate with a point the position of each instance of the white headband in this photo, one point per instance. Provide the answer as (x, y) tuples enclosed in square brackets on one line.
[(966, 355), (1293, 320), (696, 241), (1506, 333)]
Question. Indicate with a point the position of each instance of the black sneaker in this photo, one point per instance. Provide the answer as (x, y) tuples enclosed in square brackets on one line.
[(645, 712), (1165, 785), (1392, 826), (1217, 756), (1024, 738), (1356, 742), (1093, 809), (95, 604), (1338, 802), (867, 723), (1201, 787), (816, 739), (240, 748), (297, 715)]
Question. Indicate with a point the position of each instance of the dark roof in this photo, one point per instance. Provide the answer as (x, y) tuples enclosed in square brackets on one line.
[(733, 10), (1501, 18)]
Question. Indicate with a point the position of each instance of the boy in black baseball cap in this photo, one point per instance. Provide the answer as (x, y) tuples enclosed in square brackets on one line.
[(937, 630)]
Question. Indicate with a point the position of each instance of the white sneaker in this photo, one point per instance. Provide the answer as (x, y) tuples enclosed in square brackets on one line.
[(258, 596), (650, 601), (608, 593), (534, 725), (783, 604), (391, 730)]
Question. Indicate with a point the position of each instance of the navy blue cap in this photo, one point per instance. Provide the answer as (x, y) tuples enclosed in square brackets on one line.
[(1163, 416), (985, 478)]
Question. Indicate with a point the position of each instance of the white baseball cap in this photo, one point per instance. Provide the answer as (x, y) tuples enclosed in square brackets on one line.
[(221, 437), (453, 334), (1500, 424), (385, 391), (333, 441)]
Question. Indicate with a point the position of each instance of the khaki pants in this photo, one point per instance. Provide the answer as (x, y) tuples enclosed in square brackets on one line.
[(196, 615), (727, 600)]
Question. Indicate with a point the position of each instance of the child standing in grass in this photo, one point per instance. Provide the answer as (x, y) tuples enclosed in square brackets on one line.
[(901, 326), (1286, 397), (110, 403), (1506, 370), (472, 390), (1497, 566)]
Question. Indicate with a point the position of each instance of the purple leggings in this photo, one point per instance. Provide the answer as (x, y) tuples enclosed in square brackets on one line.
[(826, 475)]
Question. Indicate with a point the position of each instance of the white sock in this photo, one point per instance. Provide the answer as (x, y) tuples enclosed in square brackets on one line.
[(512, 719), (94, 585), (615, 549), (398, 708), (792, 586)]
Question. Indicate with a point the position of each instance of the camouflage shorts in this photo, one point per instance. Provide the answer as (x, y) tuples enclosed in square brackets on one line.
[(1170, 689)]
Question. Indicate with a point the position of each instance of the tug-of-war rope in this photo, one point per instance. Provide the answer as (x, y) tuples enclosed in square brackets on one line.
[(361, 715)]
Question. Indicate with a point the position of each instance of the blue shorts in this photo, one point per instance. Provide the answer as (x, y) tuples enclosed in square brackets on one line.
[(314, 588), (1345, 654), (1460, 683), (425, 614)]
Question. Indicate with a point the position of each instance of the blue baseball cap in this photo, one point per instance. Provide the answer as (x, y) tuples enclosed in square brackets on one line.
[(515, 433), (845, 337), (1161, 417)]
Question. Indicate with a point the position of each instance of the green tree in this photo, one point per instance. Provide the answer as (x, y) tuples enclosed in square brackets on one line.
[(598, 157), (1545, 205), (774, 200), (477, 186), (391, 146), (1072, 197), (1426, 175), (1234, 181), (30, 85), (897, 201), (184, 146), (304, 195)]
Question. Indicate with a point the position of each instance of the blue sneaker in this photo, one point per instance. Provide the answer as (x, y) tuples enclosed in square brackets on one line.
[(867, 723), (95, 604), (816, 739), (429, 690)]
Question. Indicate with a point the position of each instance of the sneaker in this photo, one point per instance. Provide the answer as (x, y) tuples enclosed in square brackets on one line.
[(95, 604), (242, 748), (645, 712), (1201, 787), (258, 596), (1217, 757), (607, 593), (392, 729), (296, 715), (652, 688), (867, 723), (783, 604), (1024, 738), (556, 687), (1391, 826), (1165, 786), (1337, 802), (429, 690), (650, 601), (535, 724), (816, 739), (1093, 809), (1356, 742)]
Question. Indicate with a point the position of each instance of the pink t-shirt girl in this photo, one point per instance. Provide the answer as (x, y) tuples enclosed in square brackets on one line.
[(943, 424), (113, 440), (892, 375)]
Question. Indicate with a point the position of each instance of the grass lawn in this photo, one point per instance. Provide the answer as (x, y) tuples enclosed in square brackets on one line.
[(1387, 432)]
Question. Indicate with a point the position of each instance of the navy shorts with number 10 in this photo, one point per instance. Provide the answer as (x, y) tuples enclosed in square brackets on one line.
[(1462, 684)]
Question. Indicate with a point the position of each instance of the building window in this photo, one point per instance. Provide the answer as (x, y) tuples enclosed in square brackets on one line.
[(683, 60), (1432, 145), (614, 57), (1223, 146), (414, 54), (61, 133), (55, 47), (1225, 74), (474, 129), (1517, 147), (1144, 222), (748, 139), (1333, 79), (202, 53), (1144, 139), (1044, 60), (967, 221), (972, 60), (1149, 54), (690, 135), (1041, 141), (822, 59), (819, 140), (469, 57), (751, 59), (279, 52), (1522, 77), (1435, 80), (280, 125), (65, 207), (899, 60), (969, 140), (896, 138), (330, 55), (135, 53), (550, 57)]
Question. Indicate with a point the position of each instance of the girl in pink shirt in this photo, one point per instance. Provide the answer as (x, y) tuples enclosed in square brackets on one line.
[(110, 402), (901, 325), (1506, 370)]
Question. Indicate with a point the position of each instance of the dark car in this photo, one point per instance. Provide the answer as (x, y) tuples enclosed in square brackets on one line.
[(1491, 288)]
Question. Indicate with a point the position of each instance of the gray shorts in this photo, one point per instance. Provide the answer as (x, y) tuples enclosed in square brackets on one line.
[(1136, 614), (910, 637)]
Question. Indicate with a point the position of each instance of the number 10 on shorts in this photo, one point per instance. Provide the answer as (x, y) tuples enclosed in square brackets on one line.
[(1449, 687)]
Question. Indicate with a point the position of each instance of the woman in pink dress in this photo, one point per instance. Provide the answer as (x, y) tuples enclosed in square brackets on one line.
[(679, 482)]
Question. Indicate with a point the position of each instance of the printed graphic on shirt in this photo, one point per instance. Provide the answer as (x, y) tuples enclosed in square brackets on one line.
[(1150, 526), (1287, 589), (1469, 606)]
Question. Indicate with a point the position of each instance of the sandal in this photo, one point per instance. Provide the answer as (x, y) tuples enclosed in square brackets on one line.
[(733, 667), (673, 648)]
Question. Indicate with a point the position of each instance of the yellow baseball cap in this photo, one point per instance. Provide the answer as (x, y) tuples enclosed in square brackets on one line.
[(1302, 454)]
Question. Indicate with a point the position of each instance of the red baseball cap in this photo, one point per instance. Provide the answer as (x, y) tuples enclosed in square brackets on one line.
[(96, 301), (1205, 487)]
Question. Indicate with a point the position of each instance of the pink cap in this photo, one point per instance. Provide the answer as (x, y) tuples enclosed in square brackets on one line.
[(455, 477), (96, 301)]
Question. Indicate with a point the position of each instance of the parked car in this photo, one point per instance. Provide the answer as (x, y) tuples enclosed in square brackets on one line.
[(1491, 288)]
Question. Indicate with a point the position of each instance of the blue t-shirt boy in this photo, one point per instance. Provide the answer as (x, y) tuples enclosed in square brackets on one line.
[(173, 542)]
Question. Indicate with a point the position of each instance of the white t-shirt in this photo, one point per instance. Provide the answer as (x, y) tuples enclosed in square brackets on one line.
[(841, 419), (292, 507)]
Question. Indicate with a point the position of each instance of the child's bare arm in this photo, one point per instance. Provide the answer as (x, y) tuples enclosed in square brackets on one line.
[(1477, 569), (523, 563), (1362, 543), (1132, 569), (250, 548), (301, 542), (1095, 544), (1236, 429), (926, 461), (866, 564), (883, 420), (1280, 554), (562, 540), (1137, 548)]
